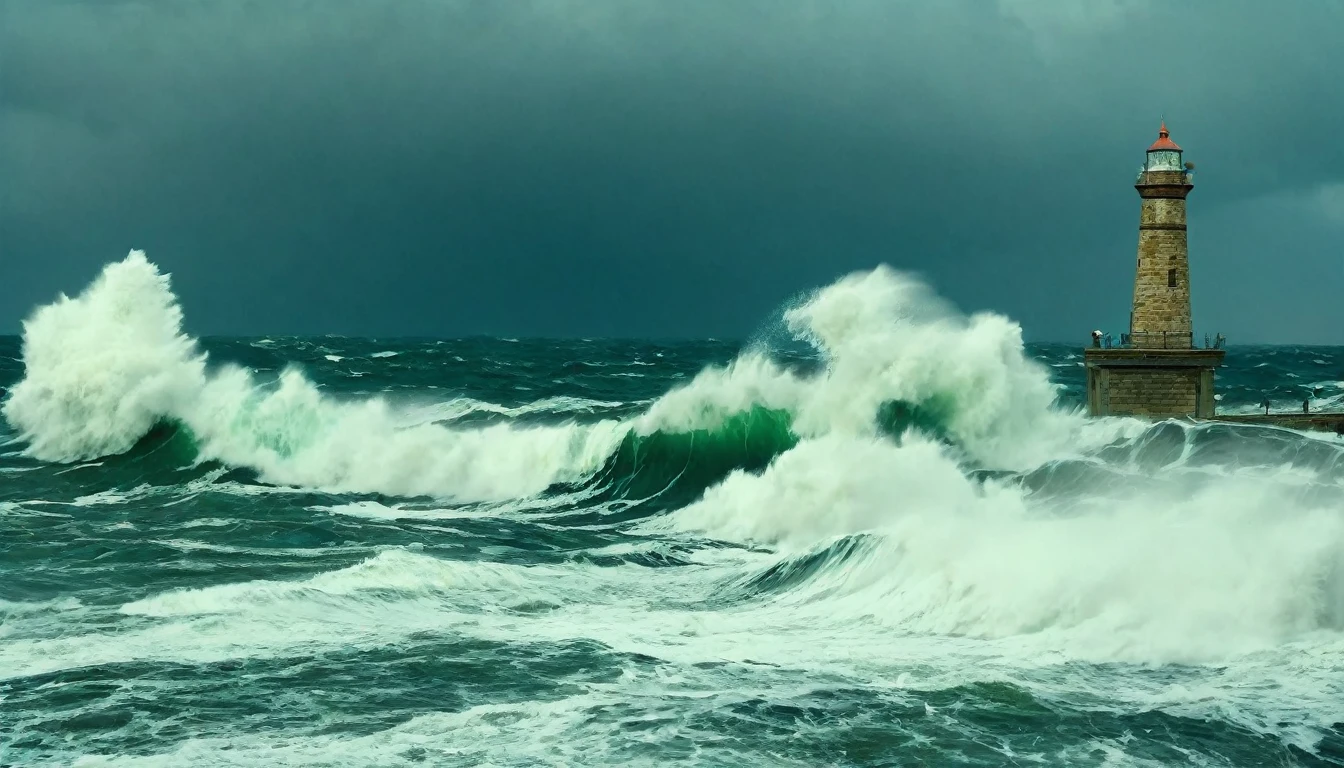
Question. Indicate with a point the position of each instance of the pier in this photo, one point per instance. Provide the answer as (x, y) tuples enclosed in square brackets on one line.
[(1157, 371), (1314, 422)]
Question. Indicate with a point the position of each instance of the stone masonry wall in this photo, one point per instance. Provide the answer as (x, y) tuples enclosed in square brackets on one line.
[(1159, 306), (1152, 391), (1162, 211)]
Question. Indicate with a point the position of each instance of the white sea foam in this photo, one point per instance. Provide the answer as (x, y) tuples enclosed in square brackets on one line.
[(460, 407), (18, 608), (927, 605), (833, 486), (294, 435), (103, 367), (394, 570), (531, 508), (541, 733), (885, 337), (1236, 574), (1201, 567)]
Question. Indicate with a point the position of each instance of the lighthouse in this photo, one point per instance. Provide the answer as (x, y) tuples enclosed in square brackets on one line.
[(1161, 317), (1157, 371)]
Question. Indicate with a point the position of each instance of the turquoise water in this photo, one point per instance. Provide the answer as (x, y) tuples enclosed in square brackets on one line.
[(877, 534)]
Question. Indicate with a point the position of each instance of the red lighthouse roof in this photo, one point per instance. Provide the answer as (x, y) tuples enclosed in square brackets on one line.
[(1164, 140)]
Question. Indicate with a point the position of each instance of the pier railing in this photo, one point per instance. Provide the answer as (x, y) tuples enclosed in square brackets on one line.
[(1159, 340)]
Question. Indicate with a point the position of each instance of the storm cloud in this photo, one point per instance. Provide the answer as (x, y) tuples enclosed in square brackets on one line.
[(642, 168)]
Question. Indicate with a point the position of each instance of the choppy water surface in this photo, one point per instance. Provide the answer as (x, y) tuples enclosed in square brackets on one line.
[(880, 534)]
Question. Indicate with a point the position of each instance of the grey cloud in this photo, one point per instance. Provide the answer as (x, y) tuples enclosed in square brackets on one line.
[(658, 168)]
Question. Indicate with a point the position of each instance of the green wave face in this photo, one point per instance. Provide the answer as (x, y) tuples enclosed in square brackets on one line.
[(666, 470), (669, 469), (930, 417), (160, 458), (657, 471)]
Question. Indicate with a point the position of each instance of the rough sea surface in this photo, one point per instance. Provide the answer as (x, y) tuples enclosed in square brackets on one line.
[(879, 533)]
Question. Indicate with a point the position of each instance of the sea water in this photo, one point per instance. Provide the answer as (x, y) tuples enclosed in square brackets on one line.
[(878, 533)]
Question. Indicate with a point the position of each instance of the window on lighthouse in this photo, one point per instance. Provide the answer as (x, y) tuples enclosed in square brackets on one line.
[(1164, 160), (1171, 278)]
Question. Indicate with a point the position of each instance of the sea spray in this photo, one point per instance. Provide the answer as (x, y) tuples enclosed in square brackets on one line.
[(831, 486), (1200, 568), (885, 338), (739, 585), (106, 366), (294, 435)]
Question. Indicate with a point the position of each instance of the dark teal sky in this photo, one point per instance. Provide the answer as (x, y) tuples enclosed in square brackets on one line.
[(670, 168)]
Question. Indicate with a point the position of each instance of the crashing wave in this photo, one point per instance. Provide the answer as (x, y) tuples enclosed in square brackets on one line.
[(105, 367)]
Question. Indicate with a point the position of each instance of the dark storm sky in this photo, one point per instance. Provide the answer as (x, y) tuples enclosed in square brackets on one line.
[(666, 167)]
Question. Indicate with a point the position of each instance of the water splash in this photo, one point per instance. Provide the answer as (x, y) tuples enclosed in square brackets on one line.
[(106, 366)]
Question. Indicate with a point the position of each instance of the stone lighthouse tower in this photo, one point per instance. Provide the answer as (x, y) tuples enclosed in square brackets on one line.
[(1161, 317), (1157, 371)]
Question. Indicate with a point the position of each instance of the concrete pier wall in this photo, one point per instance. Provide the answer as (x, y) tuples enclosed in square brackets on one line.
[(1151, 382), (1318, 422)]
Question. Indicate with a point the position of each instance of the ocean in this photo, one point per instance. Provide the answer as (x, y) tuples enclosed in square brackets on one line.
[(879, 532)]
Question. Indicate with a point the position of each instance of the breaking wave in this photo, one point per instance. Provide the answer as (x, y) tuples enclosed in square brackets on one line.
[(930, 430), (915, 505), (104, 368), (1199, 565)]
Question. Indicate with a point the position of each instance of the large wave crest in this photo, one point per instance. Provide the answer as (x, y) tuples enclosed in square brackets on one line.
[(105, 367)]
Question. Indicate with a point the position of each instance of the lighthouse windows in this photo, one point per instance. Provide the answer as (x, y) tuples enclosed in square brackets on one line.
[(1171, 278), (1164, 160)]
